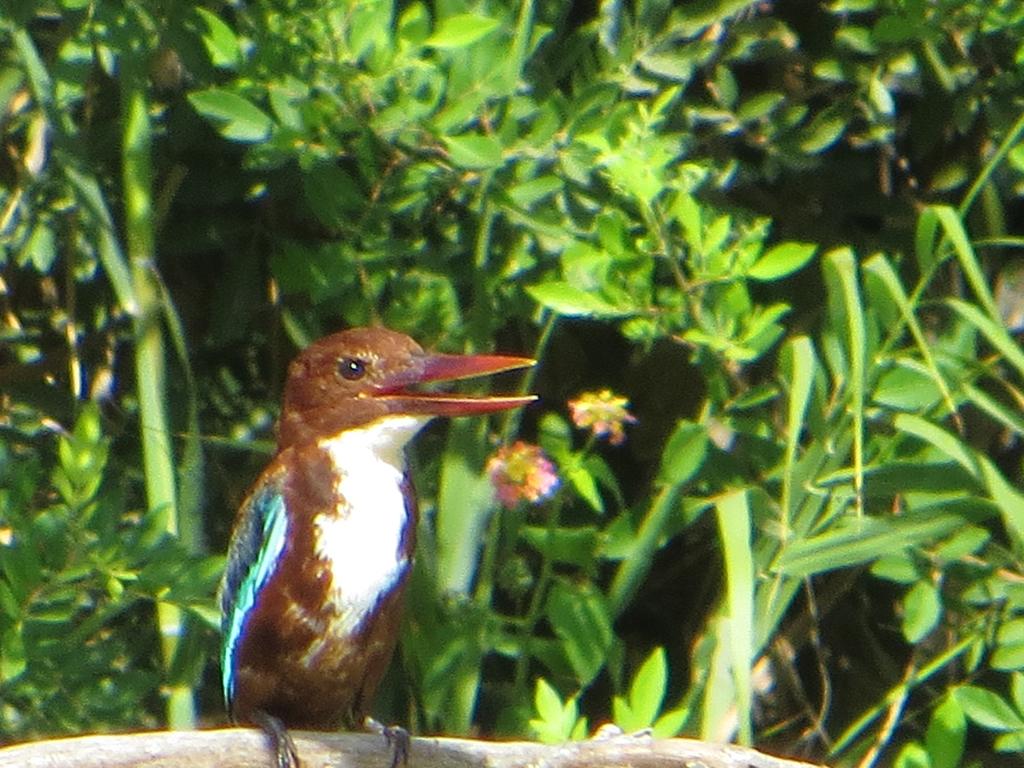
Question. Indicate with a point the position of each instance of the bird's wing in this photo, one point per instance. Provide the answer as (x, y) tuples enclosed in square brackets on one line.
[(256, 546)]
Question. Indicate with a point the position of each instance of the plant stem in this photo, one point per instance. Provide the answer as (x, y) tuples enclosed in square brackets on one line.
[(157, 451), (633, 569), (540, 591), (1009, 142)]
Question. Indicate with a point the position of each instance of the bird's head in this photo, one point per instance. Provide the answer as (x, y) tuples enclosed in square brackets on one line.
[(356, 377)]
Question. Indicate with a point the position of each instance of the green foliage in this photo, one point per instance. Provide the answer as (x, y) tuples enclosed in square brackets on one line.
[(80, 572), (641, 707), (755, 202), (556, 721)]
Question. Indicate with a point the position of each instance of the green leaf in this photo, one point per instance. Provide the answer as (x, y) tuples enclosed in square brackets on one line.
[(581, 620), (855, 38), (1008, 657), (1009, 500), (647, 691), (1009, 651), (922, 609), (1017, 690), (555, 435), (847, 309), (1004, 413), (734, 528), (566, 299), (41, 249), (12, 653), (526, 193), (861, 541), (946, 734), (949, 177), (671, 65), (573, 546), (219, 39), (332, 194), (424, 304), (879, 268), (781, 260), (953, 226), (90, 196), (684, 453), (670, 723), (474, 152), (464, 507), (759, 106), (688, 212), (907, 386), (799, 363), (912, 755), (924, 239), (1009, 742), (964, 542), (987, 708), (555, 722), (901, 477), (370, 24), (9, 604), (824, 131), (547, 702), (461, 30), (899, 568), (414, 23), (583, 482), (880, 97), (993, 330), (894, 29), (235, 117)]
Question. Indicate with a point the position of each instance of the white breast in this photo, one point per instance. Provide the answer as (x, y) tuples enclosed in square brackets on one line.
[(362, 539)]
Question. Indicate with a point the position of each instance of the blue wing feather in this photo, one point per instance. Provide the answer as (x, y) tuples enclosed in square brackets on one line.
[(256, 546)]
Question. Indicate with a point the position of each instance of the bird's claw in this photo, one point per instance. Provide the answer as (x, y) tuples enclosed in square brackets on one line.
[(607, 731), (395, 737), (280, 740)]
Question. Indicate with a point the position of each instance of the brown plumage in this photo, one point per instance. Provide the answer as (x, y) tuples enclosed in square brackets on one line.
[(322, 549)]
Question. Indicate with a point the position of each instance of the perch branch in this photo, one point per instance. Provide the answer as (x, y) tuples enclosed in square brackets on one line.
[(243, 748)]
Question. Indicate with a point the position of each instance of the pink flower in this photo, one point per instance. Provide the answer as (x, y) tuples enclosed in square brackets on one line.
[(603, 412), (521, 472)]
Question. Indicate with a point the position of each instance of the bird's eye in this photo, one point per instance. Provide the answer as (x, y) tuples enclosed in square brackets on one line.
[(351, 368)]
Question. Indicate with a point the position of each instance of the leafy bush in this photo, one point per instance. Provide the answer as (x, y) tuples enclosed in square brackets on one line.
[(741, 217)]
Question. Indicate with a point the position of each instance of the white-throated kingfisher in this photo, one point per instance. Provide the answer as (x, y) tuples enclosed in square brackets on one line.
[(322, 547)]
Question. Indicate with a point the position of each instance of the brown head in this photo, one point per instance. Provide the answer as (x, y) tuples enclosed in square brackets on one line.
[(354, 377)]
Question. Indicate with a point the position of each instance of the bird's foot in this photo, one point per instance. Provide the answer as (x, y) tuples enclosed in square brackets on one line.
[(395, 736), (280, 740)]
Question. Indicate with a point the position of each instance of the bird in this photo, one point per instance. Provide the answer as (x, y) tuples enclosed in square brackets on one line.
[(322, 546)]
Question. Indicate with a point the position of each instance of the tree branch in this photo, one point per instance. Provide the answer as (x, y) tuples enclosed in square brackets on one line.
[(245, 748)]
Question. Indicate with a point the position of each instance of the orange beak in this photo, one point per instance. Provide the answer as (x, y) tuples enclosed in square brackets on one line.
[(434, 368)]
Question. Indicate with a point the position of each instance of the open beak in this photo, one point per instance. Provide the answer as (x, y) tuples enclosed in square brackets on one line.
[(433, 368)]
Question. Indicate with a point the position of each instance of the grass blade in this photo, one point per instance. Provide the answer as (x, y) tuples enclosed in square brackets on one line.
[(841, 275), (85, 185), (1009, 500), (899, 691), (993, 330), (880, 267), (734, 527), (150, 360), (957, 235), (1009, 142), (802, 362), (863, 541)]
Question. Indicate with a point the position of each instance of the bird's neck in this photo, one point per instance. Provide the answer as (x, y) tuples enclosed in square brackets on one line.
[(374, 447), (366, 540), (366, 418)]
